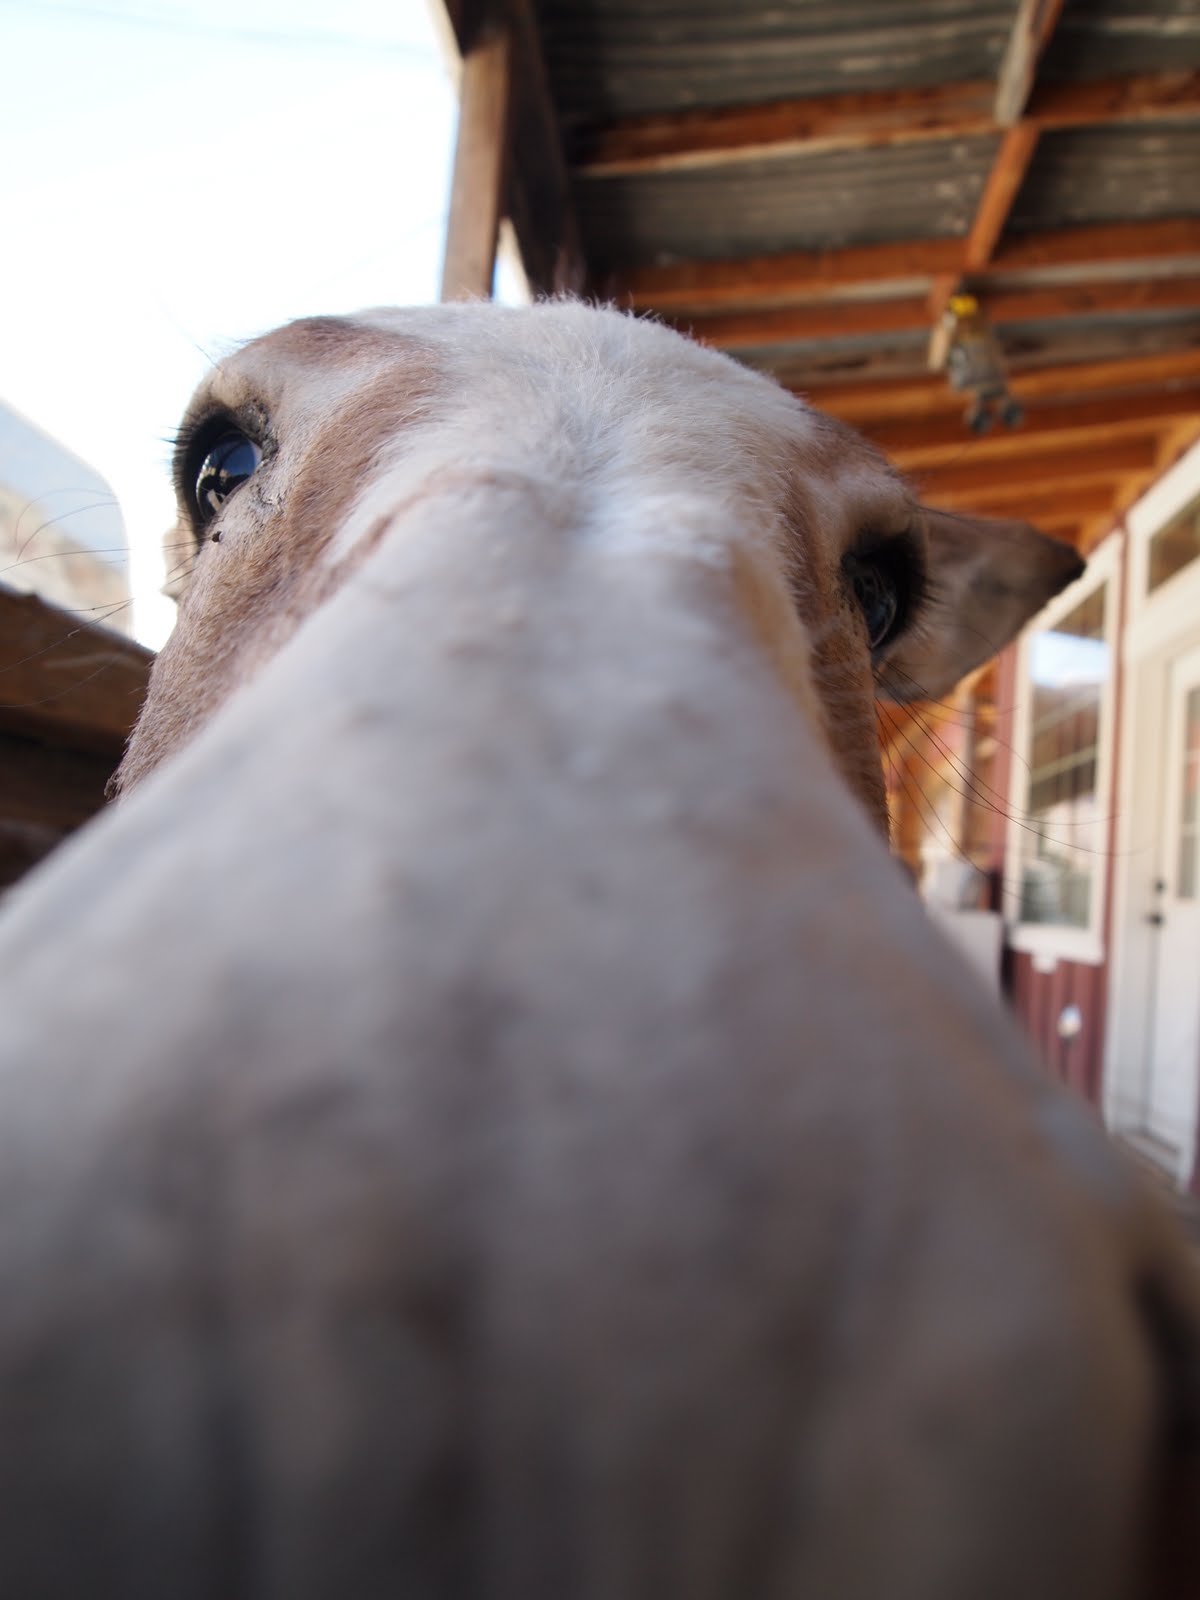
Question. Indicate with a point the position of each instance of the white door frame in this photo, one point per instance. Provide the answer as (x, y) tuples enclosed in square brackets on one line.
[(1159, 628)]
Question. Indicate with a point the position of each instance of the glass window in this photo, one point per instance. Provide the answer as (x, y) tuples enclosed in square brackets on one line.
[(1062, 830), (1174, 546)]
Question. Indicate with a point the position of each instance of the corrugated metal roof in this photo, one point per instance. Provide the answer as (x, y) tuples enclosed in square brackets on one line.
[(613, 58), (1100, 38), (787, 203), (1144, 171), (686, 213)]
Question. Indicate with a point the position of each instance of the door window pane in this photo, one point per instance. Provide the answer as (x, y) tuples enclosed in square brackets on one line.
[(1174, 547), (1062, 831)]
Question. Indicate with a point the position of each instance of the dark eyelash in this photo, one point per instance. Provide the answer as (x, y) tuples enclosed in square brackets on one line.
[(184, 442)]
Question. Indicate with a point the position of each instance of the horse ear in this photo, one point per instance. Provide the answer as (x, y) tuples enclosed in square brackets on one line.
[(986, 579)]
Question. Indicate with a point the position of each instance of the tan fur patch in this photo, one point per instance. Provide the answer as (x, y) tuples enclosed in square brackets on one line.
[(243, 604)]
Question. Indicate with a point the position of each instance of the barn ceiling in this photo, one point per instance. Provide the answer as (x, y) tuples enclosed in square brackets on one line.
[(806, 183)]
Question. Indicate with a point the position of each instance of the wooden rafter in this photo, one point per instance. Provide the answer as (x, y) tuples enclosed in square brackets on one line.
[(999, 192), (1104, 298), (1100, 244), (686, 140), (540, 202), (1104, 101), (829, 318), (928, 441), (975, 478), (1034, 23), (98, 677), (1071, 503), (824, 319), (719, 136), (802, 275), (930, 395)]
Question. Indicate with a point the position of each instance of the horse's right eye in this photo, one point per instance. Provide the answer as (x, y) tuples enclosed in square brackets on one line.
[(231, 461)]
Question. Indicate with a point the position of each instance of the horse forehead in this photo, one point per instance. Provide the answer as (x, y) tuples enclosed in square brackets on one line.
[(671, 401), (313, 365), (550, 350)]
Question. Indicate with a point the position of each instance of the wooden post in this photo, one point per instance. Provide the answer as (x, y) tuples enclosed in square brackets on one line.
[(481, 160)]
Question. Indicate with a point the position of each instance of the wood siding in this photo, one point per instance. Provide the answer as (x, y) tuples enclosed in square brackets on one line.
[(1039, 999), (69, 694)]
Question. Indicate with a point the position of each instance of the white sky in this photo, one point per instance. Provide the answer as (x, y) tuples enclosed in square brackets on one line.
[(178, 176)]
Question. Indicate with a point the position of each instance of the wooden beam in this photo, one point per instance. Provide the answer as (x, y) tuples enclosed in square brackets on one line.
[(1035, 504), (929, 395), (795, 275), (826, 319), (686, 140), (934, 440), (1091, 299), (1101, 243), (51, 786), (999, 193), (714, 137), (65, 681), (537, 196), (1108, 100), (804, 275), (830, 319), (540, 202), (481, 157), (1035, 21), (973, 478)]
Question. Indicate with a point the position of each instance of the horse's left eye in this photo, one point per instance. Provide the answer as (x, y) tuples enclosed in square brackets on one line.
[(229, 463), (885, 579), (878, 602)]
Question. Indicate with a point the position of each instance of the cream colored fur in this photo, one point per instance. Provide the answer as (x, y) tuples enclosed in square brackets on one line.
[(513, 1134)]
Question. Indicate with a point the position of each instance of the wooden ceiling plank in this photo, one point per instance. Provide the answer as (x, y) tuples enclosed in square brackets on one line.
[(1032, 27), (1108, 461), (1092, 299), (1081, 500), (1098, 243), (1104, 101), (797, 275), (996, 498), (828, 319), (64, 680), (698, 285), (900, 397), (720, 136), (928, 441)]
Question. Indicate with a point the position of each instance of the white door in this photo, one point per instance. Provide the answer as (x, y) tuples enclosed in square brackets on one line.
[(1173, 1034)]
